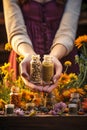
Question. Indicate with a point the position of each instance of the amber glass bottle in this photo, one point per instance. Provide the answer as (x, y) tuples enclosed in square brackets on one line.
[(15, 96), (35, 69), (74, 103), (47, 69)]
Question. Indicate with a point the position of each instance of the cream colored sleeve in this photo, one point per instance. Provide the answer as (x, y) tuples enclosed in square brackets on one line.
[(68, 27), (15, 26)]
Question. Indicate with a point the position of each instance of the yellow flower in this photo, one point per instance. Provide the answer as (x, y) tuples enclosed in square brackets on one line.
[(73, 76), (80, 40), (20, 58), (8, 47), (57, 94), (67, 63), (64, 79), (27, 95), (4, 68)]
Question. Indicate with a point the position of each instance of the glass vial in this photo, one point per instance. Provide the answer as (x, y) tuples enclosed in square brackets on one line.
[(47, 69), (74, 103), (15, 97), (35, 69), (48, 101)]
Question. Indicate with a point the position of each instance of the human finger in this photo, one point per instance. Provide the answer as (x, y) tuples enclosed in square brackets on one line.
[(51, 87), (58, 69)]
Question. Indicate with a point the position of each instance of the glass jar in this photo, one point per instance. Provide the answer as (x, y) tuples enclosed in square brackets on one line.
[(74, 103), (84, 104), (15, 97), (47, 69), (35, 69), (48, 101)]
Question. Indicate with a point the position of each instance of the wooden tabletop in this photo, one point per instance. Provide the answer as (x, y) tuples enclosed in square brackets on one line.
[(44, 122)]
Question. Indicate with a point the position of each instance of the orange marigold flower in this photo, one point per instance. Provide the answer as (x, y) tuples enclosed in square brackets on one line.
[(64, 79), (85, 87), (80, 91), (23, 104), (72, 90), (80, 40), (66, 93), (37, 101)]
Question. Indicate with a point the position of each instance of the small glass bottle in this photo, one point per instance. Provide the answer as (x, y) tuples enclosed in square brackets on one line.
[(74, 103), (35, 69), (48, 101), (47, 69), (15, 97)]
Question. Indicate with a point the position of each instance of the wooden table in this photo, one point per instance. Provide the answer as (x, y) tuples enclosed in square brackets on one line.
[(74, 122)]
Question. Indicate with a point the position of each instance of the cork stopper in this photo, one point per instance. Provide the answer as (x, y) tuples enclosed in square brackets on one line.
[(35, 57)]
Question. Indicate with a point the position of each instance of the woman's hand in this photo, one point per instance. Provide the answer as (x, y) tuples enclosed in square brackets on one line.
[(58, 71), (24, 72)]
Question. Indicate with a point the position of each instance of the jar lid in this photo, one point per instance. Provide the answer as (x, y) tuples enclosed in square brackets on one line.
[(75, 95), (35, 57), (47, 57), (14, 89)]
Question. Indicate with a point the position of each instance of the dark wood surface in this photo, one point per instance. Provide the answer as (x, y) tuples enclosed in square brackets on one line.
[(77, 122)]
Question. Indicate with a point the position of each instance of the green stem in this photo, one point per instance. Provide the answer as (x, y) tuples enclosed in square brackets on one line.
[(66, 69), (84, 51), (83, 79)]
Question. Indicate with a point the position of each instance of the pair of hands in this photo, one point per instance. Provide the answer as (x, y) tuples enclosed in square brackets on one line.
[(24, 72)]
